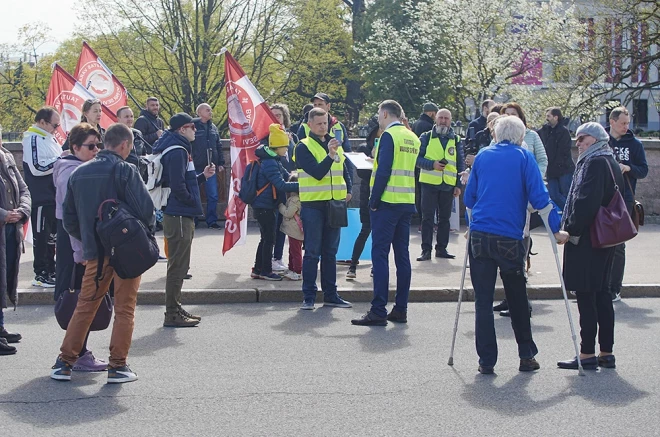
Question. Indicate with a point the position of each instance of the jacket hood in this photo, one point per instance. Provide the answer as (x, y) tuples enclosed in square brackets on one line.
[(261, 153), (628, 136), (170, 138)]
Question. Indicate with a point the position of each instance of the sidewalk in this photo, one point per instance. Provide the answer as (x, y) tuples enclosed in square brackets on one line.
[(218, 279)]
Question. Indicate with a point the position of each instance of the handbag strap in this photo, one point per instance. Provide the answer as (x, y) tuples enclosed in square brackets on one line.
[(629, 185), (72, 286), (609, 165)]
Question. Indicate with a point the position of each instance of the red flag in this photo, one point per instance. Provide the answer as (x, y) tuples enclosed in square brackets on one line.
[(94, 75), (67, 96), (249, 120)]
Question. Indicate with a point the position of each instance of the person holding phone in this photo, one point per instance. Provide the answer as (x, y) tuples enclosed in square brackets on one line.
[(440, 160), (206, 151)]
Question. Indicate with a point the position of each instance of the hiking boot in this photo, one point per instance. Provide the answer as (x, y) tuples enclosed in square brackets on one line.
[(43, 281), (61, 371), (350, 274), (89, 363), (11, 337), (528, 365), (187, 314), (178, 320), (118, 375), (397, 316), (5, 349)]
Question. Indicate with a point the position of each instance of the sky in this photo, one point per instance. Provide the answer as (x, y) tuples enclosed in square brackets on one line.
[(57, 14)]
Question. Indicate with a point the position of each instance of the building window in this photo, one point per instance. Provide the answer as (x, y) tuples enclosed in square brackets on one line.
[(640, 113)]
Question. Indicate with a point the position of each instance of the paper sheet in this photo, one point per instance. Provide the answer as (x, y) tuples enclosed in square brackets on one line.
[(360, 160)]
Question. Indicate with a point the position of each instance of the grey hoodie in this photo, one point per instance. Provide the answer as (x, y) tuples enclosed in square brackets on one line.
[(61, 172)]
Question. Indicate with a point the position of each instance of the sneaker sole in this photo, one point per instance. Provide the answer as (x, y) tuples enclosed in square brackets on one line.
[(337, 305), (122, 380), (307, 308), (266, 278), (8, 352), (174, 325), (42, 285), (60, 377), (89, 369)]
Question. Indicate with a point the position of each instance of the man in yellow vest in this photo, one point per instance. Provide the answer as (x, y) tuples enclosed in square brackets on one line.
[(440, 160), (392, 205), (322, 176)]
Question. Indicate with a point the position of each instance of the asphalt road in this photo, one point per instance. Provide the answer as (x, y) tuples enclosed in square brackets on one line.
[(271, 370)]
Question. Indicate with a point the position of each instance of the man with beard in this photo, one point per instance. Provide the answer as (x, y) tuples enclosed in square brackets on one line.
[(148, 123)]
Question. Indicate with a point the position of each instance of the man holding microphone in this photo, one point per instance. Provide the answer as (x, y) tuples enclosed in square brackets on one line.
[(323, 177)]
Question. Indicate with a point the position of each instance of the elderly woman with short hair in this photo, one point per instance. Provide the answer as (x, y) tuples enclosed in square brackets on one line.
[(596, 178)]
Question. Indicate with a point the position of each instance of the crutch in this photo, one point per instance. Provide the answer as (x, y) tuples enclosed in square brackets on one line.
[(544, 213), (460, 293)]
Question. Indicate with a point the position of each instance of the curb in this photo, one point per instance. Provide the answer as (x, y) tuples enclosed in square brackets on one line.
[(254, 295)]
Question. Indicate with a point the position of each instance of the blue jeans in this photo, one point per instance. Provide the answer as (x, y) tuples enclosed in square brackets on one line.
[(211, 189), (390, 227), (321, 243), (558, 189), (489, 252)]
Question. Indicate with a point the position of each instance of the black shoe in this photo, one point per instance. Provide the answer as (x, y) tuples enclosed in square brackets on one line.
[(587, 363), (397, 316), (188, 276), (370, 319), (444, 254), (528, 365), (607, 361), (425, 256), (11, 337), (486, 370), (5, 349), (215, 226), (502, 306), (506, 313)]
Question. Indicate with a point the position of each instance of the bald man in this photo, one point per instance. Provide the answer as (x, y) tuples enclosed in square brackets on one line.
[(440, 160), (207, 144)]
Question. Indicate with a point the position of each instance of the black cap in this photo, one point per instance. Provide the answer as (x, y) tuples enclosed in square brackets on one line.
[(430, 107), (321, 96), (179, 119)]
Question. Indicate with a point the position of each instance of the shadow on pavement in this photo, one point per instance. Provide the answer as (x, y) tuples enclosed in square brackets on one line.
[(384, 339), (45, 403), (604, 388), (160, 339), (307, 322), (634, 316), (508, 399)]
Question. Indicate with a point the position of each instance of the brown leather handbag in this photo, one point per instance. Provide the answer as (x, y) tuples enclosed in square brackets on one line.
[(613, 225)]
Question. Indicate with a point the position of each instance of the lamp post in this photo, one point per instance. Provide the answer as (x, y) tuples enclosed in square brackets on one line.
[(657, 108)]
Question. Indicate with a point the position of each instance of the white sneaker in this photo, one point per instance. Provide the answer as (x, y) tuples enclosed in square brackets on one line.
[(278, 265), (293, 276), (617, 298)]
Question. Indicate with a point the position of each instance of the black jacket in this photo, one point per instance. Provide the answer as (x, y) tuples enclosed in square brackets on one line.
[(628, 150), (149, 124), (140, 149), (90, 185), (207, 137), (478, 124), (557, 142), (586, 268), (423, 124)]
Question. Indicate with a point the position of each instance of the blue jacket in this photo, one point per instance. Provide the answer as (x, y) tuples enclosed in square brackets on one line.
[(179, 174), (504, 178), (271, 171), (628, 150)]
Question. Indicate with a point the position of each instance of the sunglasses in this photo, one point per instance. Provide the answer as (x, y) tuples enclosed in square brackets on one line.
[(55, 126), (92, 146)]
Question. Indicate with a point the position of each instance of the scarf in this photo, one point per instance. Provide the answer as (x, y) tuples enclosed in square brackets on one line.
[(599, 148)]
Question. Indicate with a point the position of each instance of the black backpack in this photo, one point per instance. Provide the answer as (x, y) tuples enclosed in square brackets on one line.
[(123, 237), (249, 191)]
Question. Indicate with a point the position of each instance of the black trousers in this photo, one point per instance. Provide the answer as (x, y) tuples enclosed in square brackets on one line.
[(363, 236), (434, 200), (596, 318), (619, 263), (267, 219), (44, 233)]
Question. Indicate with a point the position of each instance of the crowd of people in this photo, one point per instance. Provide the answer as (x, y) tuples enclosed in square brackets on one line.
[(305, 182)]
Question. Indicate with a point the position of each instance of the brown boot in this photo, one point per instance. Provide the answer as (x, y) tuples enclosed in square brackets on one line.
[(185, 313), (178, 320)]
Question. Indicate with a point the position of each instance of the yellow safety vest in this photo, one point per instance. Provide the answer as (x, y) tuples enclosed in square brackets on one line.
[(401, 184), (332, 186), (435, 152)]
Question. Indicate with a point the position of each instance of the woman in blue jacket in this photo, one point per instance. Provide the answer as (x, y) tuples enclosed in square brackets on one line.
[(273, 186)]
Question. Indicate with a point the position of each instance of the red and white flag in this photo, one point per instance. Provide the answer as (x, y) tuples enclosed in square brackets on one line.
[(67, 96), (94, 75), (249, 120)]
